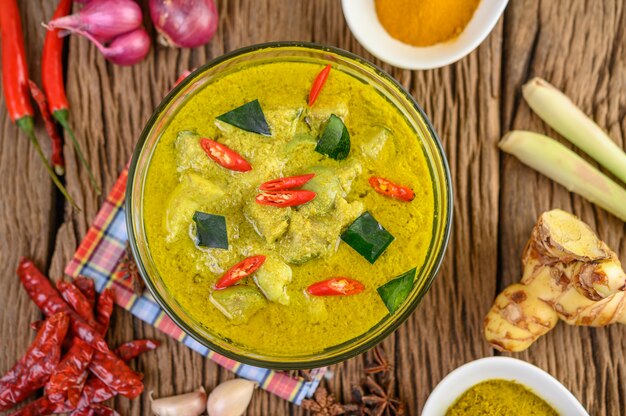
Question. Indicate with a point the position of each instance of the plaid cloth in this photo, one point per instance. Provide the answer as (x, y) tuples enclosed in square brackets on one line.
[(98, 258)]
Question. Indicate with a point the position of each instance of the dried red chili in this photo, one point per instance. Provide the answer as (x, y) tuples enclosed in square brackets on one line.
[(50, 302), (285, 198), (66, 383), (53, 85), (33, 370), (58, 163), (240, 270), (318, 84), (75, 298), (132, 349), (88, 289), (104, 310), (116, 374), (386, 187), (289, 182), (337, 286), (224, 156)]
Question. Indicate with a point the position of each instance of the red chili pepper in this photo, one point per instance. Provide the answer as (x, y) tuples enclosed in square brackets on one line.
[(104, 310), (50, 302), (285, 198), (337, 286), (55, 139), (109, 368), (88, 289), (102, 410), (33, 370), (132, 349), (318, 83), (75, 298), (386, 187), (289, 182), (68, 379), (36, 325), (15, 82), (181, 77), (240, 270), (224, 156), (53, 85), (41, 406)]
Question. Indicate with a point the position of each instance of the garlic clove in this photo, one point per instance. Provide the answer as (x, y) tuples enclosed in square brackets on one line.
[(231, 398), (189, 404)]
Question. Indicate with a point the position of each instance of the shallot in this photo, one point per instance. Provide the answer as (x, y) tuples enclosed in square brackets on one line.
[(103, 19), (184, 23), (127, 49), (231, 398), (189, 404)]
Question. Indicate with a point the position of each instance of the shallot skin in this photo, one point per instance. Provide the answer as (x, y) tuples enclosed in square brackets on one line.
[(184, 23)]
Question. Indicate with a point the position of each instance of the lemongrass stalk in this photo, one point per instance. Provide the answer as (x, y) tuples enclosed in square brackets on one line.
[(565, 167), (556, 109)]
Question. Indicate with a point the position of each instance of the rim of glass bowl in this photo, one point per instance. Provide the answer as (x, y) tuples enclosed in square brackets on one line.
[(437, 164)]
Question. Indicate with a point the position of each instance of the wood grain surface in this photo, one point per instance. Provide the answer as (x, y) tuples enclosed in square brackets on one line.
[(578, 45)]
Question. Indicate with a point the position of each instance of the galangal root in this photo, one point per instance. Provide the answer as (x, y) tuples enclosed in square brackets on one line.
[(569, 274)]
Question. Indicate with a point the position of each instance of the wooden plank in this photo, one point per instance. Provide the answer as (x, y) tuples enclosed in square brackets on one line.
[(579, 47), (27, 208)]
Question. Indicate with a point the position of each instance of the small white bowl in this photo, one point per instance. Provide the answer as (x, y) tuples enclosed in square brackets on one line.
[(364, 24), (470, 374)]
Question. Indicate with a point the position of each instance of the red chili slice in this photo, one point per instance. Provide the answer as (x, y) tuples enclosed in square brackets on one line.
[(224, 156), (337, 286), (240, 270), (386, 187), (289, 182), (318, 83), (285, 198)]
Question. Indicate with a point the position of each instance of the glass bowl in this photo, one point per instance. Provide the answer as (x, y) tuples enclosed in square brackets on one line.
[(300, 52)]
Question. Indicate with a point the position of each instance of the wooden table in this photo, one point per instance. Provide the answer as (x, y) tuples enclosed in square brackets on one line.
[(579, 46)]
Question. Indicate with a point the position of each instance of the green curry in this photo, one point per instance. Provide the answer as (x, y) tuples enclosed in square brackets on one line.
[(270, 311)]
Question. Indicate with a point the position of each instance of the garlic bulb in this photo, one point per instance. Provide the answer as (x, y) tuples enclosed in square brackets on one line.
[(231, 398), (189, 404)]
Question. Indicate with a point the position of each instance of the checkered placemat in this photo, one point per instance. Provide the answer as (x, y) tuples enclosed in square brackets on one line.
[(98, 257)]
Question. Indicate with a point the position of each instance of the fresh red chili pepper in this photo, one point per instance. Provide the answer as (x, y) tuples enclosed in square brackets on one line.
[(289, 182), (224, 156), (240, 270), (75, 298), (53, 85), (15, 82), (68, 379), (104, 310), (287, 198), (132, 349), (318, 83), (50, 302), (337, 286), (33, 370), (109, 368), (386, 187), (88, 289), (55, 139)]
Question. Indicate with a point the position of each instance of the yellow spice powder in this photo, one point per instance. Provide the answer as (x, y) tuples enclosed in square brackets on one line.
[(425, 22)]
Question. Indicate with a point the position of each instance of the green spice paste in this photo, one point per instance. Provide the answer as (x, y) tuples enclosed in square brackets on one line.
[(302, 244), (500, 398)]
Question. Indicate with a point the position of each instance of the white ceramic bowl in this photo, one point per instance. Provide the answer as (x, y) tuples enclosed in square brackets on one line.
[(364, 24), (466, 376)]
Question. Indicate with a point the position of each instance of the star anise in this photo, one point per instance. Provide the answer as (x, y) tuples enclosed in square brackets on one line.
[(128, 270), (323, 404), (378, 400), (380, 365), (303, 374)]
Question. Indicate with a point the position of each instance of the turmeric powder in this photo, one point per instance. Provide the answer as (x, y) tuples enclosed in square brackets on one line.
[(425, 22)]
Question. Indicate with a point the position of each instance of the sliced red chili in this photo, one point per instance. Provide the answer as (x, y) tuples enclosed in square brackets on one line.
[(337, 286), (386, 187), (285, 198), (224, 156), (289, 182), (318, 83), (240, 270), (33, 370)]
